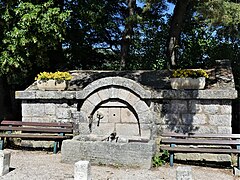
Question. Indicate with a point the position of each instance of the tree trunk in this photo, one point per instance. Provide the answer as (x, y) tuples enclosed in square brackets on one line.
[(175, 31), (5, 99), (127, 34)]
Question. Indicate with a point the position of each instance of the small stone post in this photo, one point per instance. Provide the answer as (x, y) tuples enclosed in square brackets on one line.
[(82, 170), (4, 162), (184, 173)]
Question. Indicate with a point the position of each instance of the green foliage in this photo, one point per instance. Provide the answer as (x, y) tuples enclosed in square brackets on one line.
[(220, 12), (159, 160), (30, 31)]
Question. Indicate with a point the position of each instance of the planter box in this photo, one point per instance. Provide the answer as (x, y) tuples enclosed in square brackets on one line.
[(51, 85), (188, 83)]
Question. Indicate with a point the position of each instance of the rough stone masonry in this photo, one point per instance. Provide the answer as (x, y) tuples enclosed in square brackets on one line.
[(138, 105)]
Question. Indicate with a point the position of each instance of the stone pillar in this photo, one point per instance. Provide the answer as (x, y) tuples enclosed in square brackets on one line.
[(4, 162), (82, 170), (184, 173)]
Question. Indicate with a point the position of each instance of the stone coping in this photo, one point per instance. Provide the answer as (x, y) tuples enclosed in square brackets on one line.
[(159, 94)]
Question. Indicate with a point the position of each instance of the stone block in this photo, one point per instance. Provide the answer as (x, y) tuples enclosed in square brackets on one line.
[(132, 99), (26, 119), (50, 108), (104, 129), (224, 130), (141, 106), (42, 119), (104, 94), (94, 99), (83, 117), (38, 110), (114, 115), (123, 94), (217, 94), (220, 120), (178, 106), (171, 119), (184, 173), (4, 162), (82, 170), (145, 117), (194, 106), (26, 109), (146, 131), (127, 129), (211, 109), (207, 129), (225, 109), (63, 113), (127, 116), (87, 107), (25, 94), (75, 115), (113, 92), (195, 119), (83, 128), (134, 154)]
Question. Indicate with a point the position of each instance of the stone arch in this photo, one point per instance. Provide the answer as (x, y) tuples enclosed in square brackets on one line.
[(114, 81), (120, 95)]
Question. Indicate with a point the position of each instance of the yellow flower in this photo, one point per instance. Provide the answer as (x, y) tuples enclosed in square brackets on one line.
[(56, 76), (183, 73)]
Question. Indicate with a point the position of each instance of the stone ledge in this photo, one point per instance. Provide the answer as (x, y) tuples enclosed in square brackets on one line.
[(195, 94), (161, 94), (45, 94)]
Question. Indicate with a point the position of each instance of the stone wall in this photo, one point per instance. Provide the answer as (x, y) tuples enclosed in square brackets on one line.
[(138, 104)]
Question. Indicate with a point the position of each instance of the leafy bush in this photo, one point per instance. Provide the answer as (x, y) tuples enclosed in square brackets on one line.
[(159, 160)]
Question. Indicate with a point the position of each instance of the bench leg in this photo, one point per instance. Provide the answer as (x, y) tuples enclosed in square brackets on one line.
[(171, 156), (238, 158), (55, 148), (1, 144), (171, 159)]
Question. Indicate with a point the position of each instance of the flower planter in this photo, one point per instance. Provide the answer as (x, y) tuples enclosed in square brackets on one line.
[(51, 85), (188, 83)]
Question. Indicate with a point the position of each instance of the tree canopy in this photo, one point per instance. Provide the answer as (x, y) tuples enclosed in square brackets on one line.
[(126, 34), (50, 35)]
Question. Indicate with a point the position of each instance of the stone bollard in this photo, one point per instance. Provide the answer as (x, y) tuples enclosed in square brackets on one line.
[(82, 170), (184, 173), (4, 162)]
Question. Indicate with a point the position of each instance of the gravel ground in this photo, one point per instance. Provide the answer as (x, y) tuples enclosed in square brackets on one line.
[(42, 165)]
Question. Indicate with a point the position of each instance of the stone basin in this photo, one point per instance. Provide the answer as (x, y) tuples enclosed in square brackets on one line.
[(130, 152)]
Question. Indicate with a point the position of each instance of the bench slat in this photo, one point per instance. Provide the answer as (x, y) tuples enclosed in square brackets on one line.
[(192, 135), (199, 141), (32, 129), (20, 123), (31, 136), (38, 130), (200, 150)]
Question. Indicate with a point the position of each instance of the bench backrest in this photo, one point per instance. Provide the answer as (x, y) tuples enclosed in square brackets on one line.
[(55, 127), (193, 135)]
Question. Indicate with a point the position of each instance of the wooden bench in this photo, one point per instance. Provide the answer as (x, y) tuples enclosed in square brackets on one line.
[(56, 132), (201, 143)]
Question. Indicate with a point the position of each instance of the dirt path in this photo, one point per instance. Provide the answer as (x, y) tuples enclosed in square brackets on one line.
[(41, 165)]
